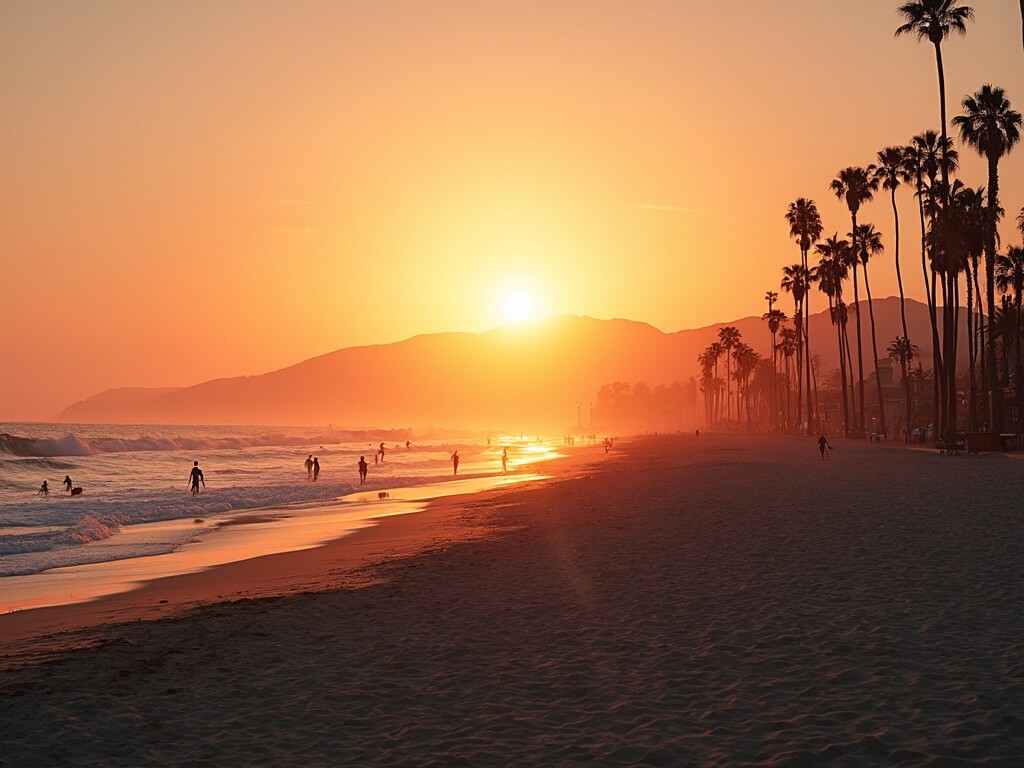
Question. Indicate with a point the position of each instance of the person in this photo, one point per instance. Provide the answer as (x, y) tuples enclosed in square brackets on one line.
[(309, 467), (316, 467), (196, 477), (504, 460), (407, 444), (455, 463), (822, 445), (362, 469), (44, 489), (382, 453), (698, 433), (67, 482)]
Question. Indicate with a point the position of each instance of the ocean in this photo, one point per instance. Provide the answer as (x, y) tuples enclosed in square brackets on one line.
[(136, 502)]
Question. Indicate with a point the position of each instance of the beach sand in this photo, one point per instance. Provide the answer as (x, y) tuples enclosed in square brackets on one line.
[(720, 600)]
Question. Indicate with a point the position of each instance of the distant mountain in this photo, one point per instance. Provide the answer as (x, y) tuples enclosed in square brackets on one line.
[(528, 378)]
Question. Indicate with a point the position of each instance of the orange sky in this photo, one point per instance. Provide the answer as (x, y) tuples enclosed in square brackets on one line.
[(194, 190)]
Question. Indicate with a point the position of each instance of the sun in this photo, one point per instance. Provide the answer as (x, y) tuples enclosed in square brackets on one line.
[(517, 307)]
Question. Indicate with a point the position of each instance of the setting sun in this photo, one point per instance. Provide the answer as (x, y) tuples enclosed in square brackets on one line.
[(517, 307)]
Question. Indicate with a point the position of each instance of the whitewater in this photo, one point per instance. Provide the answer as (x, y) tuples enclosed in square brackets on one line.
[(135, 480)]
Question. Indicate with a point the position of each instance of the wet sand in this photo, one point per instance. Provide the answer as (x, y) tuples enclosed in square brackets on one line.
[(681, 601)]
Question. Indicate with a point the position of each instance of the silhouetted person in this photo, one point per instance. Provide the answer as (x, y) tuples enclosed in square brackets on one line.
[(309, 467), (382, 453), (455, 463), (823, 446), (44, 489), (504, 460), (67, 482), (316, 467), (196, 477), (698, 433), (407, 444), (362, 469)]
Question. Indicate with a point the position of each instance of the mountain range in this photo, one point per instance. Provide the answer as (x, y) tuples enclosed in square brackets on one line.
[(538, 376)]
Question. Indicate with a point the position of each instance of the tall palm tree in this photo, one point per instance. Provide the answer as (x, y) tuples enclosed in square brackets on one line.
[(971, 208), (992, 127), (935, 20), (774, 317), (788, 346), (856, 185), (728, 337), (832, 271), (1010, 278), (902, 351), (893, 169), (805, 227), (869, 244)]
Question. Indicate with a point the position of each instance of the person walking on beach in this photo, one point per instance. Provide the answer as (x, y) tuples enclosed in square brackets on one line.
[(382, 453), (44, 489), (362, 469), (316, 467), (504, 460), (67, 482), (823, 446), (196, 477), (455, 463), (309, 467)]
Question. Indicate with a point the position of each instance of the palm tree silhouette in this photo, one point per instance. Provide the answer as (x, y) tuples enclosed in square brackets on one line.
[(902, 351), (728, 337), (805, 226), (992, 127), (869, 243), (832, 271), (856, 185), (788, 346), (795, 280), (935, 20), (1010, 278), (774, 317), (895, 167)]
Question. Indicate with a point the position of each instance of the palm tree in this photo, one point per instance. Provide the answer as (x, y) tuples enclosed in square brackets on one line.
[(1010, 278), (893, 169), (774, 318), (788, 347), (902, 351), (856, 185), (934, 20), (990, 126), (794, 281), (832, 271), (728, 337), (805, 227), (869, 243)]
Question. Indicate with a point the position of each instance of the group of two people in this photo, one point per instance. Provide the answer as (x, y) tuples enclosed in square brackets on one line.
[(313, 467)]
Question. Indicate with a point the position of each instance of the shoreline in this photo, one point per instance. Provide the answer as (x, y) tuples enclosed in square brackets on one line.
[(345, 562)]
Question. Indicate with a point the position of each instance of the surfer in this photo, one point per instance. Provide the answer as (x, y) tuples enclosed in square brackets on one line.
[(196, 477), (309, 467), (44, 489), (362, 469), (316, 467), (67, 482), (455, 463), (382, 453)]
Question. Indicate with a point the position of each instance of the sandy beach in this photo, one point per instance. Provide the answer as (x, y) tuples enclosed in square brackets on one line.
[(720, 600)]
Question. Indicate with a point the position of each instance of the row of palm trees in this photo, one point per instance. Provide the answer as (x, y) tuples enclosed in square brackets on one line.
[(958, 224)]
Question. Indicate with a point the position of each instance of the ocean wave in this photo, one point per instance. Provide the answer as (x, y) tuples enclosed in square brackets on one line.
[(73, 445)]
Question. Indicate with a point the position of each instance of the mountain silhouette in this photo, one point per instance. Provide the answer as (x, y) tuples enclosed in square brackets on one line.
[(536, 377)]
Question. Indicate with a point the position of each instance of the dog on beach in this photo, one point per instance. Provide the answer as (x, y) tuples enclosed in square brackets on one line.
[(76, 491), (383, 495)]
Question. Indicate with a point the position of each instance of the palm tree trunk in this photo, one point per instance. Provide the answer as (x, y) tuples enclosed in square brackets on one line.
[(972, 356), (849, 366), (842, 370), (996, 403), (798, 323), (860, 355), (938, 370), (899, 275), (942, 113), (874, 351), (807, 336), (982, 353)]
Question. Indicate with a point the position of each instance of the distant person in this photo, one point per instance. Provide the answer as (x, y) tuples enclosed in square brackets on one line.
[(316, 467), (455, 463), (407, 444), (67, 482), (382, 453), (504, 460), (44, 489), (309, 467), (823, 446), (196, 477), (697, 433), (607, 444), (362, 469)]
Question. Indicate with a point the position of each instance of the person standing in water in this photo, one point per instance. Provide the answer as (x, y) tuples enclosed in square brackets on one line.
[(196, 477), (455, 463), (382, 453), (309, 467), (316, 467), (44, 489), (504, 460), (67, 482), (362, 469)]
